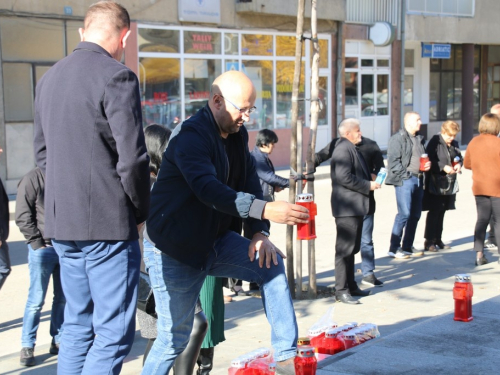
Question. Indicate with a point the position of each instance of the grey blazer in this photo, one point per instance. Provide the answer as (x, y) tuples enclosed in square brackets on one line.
[(90, 144)]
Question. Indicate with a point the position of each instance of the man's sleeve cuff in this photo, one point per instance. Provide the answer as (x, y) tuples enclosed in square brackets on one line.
[(257, 209)]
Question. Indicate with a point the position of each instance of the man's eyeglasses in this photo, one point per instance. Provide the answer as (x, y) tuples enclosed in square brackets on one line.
[(243, 111)]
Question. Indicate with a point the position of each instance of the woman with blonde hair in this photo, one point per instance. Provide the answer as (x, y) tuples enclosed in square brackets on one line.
[(442, 184), (483, 158)]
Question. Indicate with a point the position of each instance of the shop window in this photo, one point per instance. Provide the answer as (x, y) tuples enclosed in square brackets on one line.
[(284, 85), (18, 97), (198, 77), (323, 53), (231, 44), (383, 63), (285, 46), (32, 39), (446, 86), (160, 91), (158, 40), (324, 101), (202, 42), (408, 94), (257, 44), (351, 94), (409, 58), (351, 62), (261, 74)]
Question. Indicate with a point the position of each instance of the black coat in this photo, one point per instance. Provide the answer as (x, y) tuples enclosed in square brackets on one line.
[(30, 208), (350, 181), (371, 153), (90, 144), (440, 155)]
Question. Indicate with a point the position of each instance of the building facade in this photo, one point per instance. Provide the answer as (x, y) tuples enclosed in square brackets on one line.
[(177, 47)]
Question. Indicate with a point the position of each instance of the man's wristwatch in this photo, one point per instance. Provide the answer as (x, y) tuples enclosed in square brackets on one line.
[(265, 233)]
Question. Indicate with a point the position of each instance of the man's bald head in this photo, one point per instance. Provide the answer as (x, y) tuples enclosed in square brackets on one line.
[(233, 83), (495, 109), (232, 97)]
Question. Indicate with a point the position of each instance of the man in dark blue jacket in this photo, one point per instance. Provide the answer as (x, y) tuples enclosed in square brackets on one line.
[(207, 184), (269, 180), (90, 145)]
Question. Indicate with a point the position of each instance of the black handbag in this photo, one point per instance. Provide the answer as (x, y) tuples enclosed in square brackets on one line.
[(145, 296), (443, 185)]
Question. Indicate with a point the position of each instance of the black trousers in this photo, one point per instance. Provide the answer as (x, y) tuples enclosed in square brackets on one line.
[(487, 207), (349, 230), (434, 224)]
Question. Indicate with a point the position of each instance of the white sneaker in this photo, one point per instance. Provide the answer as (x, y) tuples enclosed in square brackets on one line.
[(398, 254), (490, 246)]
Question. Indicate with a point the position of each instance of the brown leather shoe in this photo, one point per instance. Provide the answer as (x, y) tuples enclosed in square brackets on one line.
[(430, 246), (442, 245)]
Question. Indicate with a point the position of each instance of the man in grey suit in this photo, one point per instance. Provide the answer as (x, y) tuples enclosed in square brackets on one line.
[(351, 186), (90, 145)]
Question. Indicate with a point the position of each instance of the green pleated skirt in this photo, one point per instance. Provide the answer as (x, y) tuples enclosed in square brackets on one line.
[(212, 302)]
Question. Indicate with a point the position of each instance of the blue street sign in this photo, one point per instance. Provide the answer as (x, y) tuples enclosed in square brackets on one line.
[(436, 51), (68, 11)]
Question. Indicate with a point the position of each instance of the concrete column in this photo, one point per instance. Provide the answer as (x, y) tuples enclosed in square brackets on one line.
[(396, 86), (467, 93)]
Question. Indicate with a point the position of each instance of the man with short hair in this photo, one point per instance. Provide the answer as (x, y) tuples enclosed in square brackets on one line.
[(372, 155), (207, 184), (403, 171), (351, 187), (90, 145)]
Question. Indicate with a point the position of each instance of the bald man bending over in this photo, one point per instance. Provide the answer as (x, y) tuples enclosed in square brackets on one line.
[(206, 187), (90, 145)]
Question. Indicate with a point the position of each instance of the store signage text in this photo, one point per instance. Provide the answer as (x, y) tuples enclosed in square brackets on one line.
[(436, 51), (202, 42)]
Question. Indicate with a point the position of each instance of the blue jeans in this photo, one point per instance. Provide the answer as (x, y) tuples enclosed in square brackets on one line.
[(43, 263), (176, 287), (409, 200), (100, 283), (367, 249), (4, 263)]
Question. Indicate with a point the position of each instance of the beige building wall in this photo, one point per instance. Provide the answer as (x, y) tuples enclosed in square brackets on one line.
[(275, 14), (483, 28)]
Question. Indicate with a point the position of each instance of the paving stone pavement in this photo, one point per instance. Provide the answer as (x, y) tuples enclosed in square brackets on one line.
[(412, 310)]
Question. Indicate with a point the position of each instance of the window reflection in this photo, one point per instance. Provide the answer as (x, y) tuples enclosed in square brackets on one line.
[(158, 40), (408, 90), (351, 94), (198, 77), (284, 85), (367, 100), (382, 95), (230, 44), (202, 42), (160, 91), (261, 74), (257, 45)]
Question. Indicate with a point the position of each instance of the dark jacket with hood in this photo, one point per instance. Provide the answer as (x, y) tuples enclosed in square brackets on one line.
[(30, 208)]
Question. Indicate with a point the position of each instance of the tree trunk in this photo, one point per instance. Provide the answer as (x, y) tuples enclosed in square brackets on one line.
[(312, 290), (293, 141)]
